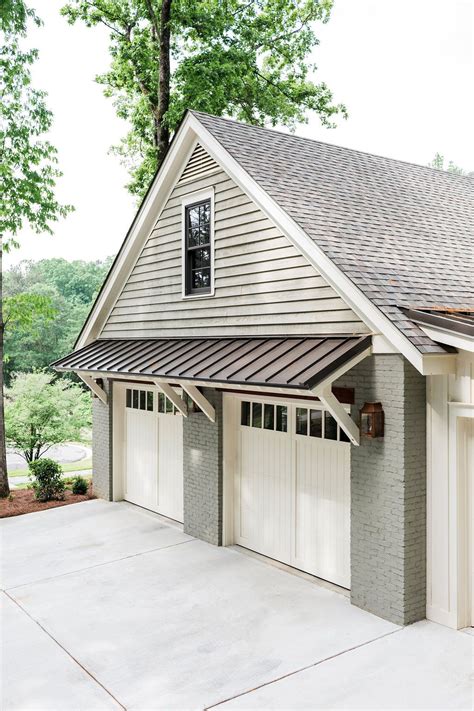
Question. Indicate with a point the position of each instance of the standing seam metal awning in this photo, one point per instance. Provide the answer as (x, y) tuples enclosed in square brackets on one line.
[(286, 362)]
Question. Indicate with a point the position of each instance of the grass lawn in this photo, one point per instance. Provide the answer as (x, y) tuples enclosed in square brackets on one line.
[(81, 466)]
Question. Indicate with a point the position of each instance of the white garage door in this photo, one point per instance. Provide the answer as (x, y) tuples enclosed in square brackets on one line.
[(292, 495), (153, 452)]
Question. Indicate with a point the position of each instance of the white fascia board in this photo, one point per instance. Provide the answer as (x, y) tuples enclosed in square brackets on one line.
[(441, 335), (347, 290), (145, 221)]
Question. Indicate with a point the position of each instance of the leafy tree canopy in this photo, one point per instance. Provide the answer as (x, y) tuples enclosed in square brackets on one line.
[(438, 162), (45, 305), (246, 59), (28, 165), (28, 168), (40, 412)]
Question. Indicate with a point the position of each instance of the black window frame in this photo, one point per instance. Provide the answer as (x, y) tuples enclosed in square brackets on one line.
[(189, 290)]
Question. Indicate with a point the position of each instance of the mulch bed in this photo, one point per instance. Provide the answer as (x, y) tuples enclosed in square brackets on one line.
[(24, 502)]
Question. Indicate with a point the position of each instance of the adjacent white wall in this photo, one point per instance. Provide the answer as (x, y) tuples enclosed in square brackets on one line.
[(450, 409)]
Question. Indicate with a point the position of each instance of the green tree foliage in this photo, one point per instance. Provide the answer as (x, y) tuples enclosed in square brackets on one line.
[(47, 481), (438, 163), (66, 291), (247, 59), (28, 169), (41, 412), (28, 166)]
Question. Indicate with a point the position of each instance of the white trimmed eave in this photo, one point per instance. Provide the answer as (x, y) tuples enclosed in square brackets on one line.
[(191, 385), (190, 132), (461, 341)]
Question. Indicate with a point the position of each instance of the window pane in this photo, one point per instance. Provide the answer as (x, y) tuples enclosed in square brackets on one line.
[(282, 418), (135, 399), (201, 278), (200, 258), (330, 426), (245, 414), (205, 234), (142, 400), (193, 237), (342, 436), (149, 402), (315, 423), (269, 417), (169, 405), (301, 421), (161, 402), (193, 216), (129, 398), (256, 414)]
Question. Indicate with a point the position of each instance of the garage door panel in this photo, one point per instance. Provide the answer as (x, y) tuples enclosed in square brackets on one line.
[(170, 466), (322, 509), (141, 486), (265, 492), (292, 498), (153, 459)]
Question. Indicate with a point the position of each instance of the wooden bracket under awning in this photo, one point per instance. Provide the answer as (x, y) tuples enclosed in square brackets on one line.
[(324, 392), (93, 386), (202, 402), (172, 395)]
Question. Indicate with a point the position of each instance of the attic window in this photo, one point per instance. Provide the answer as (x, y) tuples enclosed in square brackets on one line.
[(198, 248)]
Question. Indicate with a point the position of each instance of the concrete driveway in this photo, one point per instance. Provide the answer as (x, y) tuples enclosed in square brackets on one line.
[(105, 606)]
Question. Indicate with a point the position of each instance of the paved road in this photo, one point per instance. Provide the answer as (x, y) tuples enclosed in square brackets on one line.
[(62, 453)]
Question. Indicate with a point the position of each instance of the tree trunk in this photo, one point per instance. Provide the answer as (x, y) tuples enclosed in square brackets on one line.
[(4, 487), (163, 137)]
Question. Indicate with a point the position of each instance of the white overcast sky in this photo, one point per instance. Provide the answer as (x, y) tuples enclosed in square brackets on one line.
[(404, 69)]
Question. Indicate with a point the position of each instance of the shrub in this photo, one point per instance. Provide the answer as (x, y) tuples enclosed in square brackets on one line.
[(80, 485), (47, 482)]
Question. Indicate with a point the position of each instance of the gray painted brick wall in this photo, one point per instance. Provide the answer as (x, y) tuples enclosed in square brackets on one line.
[(203, 474), (102, 445), (388, 493)]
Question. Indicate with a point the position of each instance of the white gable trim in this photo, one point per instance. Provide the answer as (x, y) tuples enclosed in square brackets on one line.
[(175, 161), (346, 289), (189, 134)]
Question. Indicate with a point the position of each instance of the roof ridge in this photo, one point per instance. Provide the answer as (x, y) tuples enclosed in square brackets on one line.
[(280, 132)]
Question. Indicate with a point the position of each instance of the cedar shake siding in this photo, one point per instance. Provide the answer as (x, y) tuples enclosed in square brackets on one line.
[(262, 284)]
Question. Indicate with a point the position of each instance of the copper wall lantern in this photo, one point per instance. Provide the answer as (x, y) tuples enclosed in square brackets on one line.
[(372, 420)]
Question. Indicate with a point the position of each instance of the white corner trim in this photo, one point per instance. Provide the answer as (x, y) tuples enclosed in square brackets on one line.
[(441, 335), (200, 400), (172, 395), (92, 385), (190, 199)]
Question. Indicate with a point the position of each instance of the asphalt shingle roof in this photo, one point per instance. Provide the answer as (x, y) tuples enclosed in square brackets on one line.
[(403, 233)]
